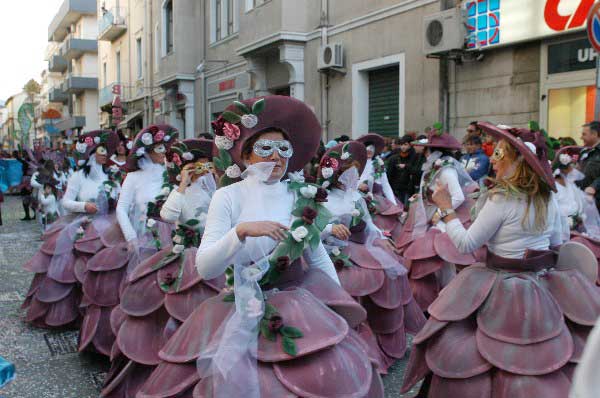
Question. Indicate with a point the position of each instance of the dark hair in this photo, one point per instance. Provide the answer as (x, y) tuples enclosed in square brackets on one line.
[(594, 126), (249, 144), (52, 187), (421, 137), (407, 139), (567, 141), (342, 138), (473, 140)]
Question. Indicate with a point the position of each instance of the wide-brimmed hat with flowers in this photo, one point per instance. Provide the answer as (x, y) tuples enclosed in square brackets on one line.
[(374, 139), (188, 151), (87, 144), (147, 139), (337, 158), (441, 140), (530, 144), (243, 120)]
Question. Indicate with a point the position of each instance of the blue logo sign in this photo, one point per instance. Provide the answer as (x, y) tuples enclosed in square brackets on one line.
[(483, 23)]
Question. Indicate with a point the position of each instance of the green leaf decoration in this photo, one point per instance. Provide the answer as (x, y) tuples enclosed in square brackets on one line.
[(241, 107), (534, 126), (296, 250), (294, 185), (314, 237), (192, 223), (270, 310), (266, 332), (177, 150), (230, 298), (258, 106), (164, 287), (168, 259), (179, 277), (291, 332), (289, 346), (219, 164), (231, 117), (225, 181), (225, 156), (323, 218), (335, 154)]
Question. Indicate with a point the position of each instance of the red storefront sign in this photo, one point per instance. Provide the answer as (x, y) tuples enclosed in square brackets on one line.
[(227, 85)]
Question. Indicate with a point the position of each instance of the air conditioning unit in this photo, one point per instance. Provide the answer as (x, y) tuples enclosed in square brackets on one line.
[(331, 56), (444, 31)]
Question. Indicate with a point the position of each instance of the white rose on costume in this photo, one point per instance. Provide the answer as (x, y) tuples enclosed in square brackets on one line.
[(249, 121), (296, 176), (233, 171), (177, 239), (80, 147), (345, 156), (165, 191), (140, 152), (107, 188), (151, 223), (177, 249), (327, 172), (167, 138), (355, 213), (96, 140), (565, 159), (380, 161), (188, 156), (147, 138), (114, 168), (299, 234), (129, 145), (438, 163), (325, 184), (336, 251), (170, 165), (308, 192), (223, 142)]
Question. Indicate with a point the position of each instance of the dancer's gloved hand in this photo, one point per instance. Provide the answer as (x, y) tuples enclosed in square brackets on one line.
[(90, 208), (340, 231)]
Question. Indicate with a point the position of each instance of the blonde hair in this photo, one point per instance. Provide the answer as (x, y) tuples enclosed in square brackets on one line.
[(524, 180)]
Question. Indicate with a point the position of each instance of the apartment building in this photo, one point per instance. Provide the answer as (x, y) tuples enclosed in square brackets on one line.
[(74, 29)]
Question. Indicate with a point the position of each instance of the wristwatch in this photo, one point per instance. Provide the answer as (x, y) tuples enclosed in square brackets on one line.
[(443, 213)]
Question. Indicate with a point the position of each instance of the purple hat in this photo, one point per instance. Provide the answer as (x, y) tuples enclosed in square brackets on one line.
[(339, 156), (187, 151), (87, 144), (518, 138), (571, 150), (243, 120), (440, 140), (147, 139), (373, 139)]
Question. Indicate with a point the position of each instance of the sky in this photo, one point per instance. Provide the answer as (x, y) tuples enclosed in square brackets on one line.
[(23, 37)]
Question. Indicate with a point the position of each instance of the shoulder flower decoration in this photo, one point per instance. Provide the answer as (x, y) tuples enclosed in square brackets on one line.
[(81, 147), (223, 142), (188, 156), (309, 191), (327, 172), (96, 140), (300, 233), (140, 152), (565, 159), (233, 171)]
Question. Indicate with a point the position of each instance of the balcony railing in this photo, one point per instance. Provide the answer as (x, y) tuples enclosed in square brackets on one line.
[(71, 122), (57, 94), (69, 13), (112, 24), (77, 84), (57, 63), (75, 47)]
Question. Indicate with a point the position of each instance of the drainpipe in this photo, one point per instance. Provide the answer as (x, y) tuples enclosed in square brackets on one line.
[(200, 75), (325, 75)]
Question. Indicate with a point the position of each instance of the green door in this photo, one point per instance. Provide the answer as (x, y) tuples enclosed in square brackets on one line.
[(384, 101)]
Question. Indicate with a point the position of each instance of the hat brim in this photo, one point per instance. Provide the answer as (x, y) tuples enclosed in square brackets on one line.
[(132, 160), (374, 139), (531, 158), (358, 153), (570, 150)]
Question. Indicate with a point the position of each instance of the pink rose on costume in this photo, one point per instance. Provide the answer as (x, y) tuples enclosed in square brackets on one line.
[(177, 160), (89, 141), (231, 131), (334, 163), (159, 136)]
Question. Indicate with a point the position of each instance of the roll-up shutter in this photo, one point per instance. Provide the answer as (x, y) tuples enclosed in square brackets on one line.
[(384, 101)]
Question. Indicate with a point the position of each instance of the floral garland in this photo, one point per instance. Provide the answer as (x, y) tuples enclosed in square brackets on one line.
[(81, 147), (227, 132), (154, 136), (330, 166), (305, 232), (575, 222), (115, 179), (378, 167), (430, 176), (154, 207)]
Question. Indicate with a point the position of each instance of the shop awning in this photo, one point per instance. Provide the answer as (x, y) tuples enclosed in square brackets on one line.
[(129, 118)]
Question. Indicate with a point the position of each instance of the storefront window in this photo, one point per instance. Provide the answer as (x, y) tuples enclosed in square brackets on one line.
[(568, 109)]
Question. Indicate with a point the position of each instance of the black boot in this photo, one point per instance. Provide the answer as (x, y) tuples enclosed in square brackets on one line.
[(26, 208)]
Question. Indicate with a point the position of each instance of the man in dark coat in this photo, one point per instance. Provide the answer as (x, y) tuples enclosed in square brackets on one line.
[(589, 161), (399, 169)]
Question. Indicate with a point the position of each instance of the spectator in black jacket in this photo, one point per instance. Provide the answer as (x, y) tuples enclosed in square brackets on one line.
[(417, 166), (399, 169), (589, 161)]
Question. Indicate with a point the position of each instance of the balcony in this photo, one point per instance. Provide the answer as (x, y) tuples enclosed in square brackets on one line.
[(69, 13), (73, 48), (72, 122), (77, 84), (56, 94), (112, 25), (57, 63)]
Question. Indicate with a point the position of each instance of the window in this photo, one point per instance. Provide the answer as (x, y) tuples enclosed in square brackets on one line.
[(230, 12), (224, 19), (157, 47), (138, 50), (104, 77), (169, 26), (219, 9), (118, 60)]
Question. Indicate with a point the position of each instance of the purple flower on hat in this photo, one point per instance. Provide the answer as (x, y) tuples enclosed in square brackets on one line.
[(218, 126), (159, 136)]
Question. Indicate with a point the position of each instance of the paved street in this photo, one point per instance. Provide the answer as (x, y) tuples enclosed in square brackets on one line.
[(48, 365)]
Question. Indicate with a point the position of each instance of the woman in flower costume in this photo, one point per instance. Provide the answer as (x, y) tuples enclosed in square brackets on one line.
[(516, 325), (137, 234), (365, 261), (430, 255), (164, 289), (574, 204), (54, 297), (386, 208), (286, 329)]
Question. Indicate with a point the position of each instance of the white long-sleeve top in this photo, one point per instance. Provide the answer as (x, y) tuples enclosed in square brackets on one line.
[(569, 198), (246, 201), (192, 204), (49, 204), (340, 204), (368, 176), (140, 188), (82, 189), (499, 225)]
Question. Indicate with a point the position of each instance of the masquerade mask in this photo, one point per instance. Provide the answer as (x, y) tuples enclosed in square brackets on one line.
[(202, 168), (101, 151), (265, 148), (160, 149), (498, 154)]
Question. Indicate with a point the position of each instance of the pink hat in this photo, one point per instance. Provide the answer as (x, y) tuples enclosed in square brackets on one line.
[(148, 138), (243, 120), (440, 140), (373, 139), (518, 138)]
